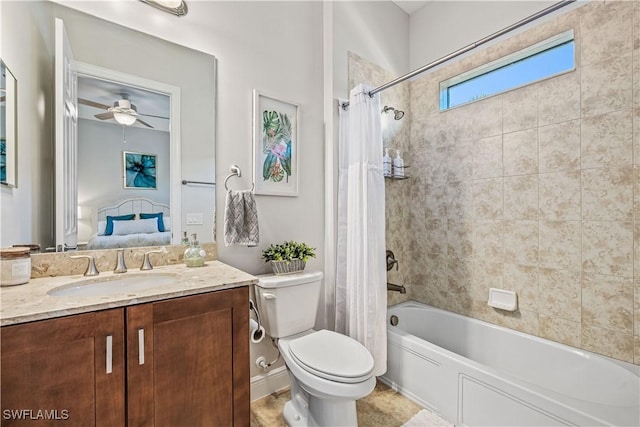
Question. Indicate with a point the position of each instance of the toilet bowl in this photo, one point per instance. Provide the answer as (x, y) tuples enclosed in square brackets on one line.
[(328, 371)]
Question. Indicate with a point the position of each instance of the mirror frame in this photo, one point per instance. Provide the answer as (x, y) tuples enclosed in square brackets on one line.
[(11, 128), (173, 92)]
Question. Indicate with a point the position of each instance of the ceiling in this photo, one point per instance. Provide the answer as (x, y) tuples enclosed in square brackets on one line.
[(411, 6), (107, 92)]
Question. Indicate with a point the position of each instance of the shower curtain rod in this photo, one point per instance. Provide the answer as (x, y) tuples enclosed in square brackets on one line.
[(467, 48)]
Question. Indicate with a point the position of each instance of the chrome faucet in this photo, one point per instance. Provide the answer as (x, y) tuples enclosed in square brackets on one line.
[(121, 267), (146, 262), (91, 270)]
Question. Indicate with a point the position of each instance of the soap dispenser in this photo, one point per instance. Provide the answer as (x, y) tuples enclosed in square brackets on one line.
[(398, 165), (386, 163), (194, 255)]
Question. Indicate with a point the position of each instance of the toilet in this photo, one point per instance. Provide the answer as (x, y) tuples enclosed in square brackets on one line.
[(328, 371)]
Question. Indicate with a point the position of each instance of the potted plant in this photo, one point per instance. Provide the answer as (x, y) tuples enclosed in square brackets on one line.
[(288, 257)]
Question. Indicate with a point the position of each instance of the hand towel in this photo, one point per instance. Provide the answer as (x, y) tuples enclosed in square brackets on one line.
[(241, 219)]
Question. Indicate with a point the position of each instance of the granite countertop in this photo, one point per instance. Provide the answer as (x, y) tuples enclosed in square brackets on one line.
[(30, 302)]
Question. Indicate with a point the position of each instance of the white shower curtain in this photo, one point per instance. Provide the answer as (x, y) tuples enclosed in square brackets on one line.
[(361, 275)]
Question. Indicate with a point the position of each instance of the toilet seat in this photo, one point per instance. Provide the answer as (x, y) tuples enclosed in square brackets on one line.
[(332, 356)]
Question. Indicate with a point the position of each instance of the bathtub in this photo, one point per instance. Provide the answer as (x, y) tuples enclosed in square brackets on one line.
[(477, 374)]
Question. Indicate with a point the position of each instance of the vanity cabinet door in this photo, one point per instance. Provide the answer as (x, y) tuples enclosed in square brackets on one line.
[(188, 361), (67, 371)]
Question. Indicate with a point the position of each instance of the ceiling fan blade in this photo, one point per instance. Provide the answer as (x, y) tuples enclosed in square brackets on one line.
[(143, 123), (92, 103), (104, 116), (151, 115)]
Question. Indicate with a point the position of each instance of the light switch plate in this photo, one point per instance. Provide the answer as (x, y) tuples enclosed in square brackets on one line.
[(194, 219)]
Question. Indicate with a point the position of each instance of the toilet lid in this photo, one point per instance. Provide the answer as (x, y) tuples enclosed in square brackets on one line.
[(332, 356)]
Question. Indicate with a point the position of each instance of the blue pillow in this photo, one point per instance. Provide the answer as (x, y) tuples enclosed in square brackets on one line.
[(155, 215), (108, 231)]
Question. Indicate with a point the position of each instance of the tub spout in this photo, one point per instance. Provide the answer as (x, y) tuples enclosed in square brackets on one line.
[(396, 288)]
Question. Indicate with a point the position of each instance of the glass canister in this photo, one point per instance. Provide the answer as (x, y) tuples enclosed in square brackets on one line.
[(194, 255), (15, 266)]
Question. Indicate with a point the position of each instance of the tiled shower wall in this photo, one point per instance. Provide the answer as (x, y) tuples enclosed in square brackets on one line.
[(536, 190)]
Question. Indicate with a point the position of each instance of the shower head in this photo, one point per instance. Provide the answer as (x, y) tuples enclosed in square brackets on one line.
[(397, 113)]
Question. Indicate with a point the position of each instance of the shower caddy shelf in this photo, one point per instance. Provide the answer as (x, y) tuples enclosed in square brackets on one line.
[(398, 178)]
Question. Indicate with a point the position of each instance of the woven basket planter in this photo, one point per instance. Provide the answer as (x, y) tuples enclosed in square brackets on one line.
[(287, 267)]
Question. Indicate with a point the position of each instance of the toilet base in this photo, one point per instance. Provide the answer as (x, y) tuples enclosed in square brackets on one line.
[(306, 410)]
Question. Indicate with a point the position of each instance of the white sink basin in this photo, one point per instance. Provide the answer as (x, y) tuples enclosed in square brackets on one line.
[(116, 284)]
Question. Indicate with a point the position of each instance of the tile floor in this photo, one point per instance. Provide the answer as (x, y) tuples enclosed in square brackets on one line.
[(382, 408)]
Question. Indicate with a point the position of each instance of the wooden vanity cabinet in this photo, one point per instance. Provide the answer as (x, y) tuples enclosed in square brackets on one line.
[(187, 364), (54, 372)]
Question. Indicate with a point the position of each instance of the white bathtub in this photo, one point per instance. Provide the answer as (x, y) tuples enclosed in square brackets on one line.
[(478, 374)]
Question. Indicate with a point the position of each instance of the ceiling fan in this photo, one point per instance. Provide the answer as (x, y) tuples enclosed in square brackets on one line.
[(123, 111)]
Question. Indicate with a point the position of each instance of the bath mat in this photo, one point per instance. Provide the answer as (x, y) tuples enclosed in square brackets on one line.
[(425, 418)]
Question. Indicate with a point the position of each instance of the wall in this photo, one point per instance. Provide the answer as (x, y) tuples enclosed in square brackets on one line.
[(275, 47), (100, 167), (538, 190), (30, 64), (442, 27)]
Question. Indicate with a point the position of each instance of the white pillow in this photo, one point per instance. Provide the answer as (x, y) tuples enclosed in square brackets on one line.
[(136, 226), (167, 223), (102, 227)]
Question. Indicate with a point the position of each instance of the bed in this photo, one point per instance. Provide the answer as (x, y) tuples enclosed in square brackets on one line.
[(128, 235)]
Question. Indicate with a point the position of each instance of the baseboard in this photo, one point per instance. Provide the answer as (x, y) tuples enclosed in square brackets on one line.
[(270, 382)]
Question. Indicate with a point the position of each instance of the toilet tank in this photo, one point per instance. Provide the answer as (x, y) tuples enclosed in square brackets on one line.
[(288, 303)]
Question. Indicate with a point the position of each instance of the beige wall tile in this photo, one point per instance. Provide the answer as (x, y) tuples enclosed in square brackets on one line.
[(460, 200), (606, 86), (523, 279), (607, 194), (460, 239), (610, 343), (636, 345), (560, 294), (435, 170), (436, 236), (560, 330), (487, 157), (460, 161), (607, 302), (636, 131), (559, 195), (636, 251), (520, 109), (607, 140), (559, 99), (560, 244), (607, 248), (521, 197), (521, 152), (559, 147), (487, 198), (636, 75), (487, 120), (636, 20), (636, 306), (607, 31), (488, 241), (486, 274), (436, 201), (521, 242)]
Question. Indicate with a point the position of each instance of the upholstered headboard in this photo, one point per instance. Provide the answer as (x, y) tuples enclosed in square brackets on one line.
[(134, 205)]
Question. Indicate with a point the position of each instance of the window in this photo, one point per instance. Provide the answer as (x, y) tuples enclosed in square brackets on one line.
[(540, 61)]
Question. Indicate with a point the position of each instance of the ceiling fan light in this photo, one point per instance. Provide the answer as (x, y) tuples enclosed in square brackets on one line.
[(175, 7), (124, 118), (169, 3)]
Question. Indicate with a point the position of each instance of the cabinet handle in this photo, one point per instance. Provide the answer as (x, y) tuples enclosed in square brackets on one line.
[(140, 346), (109, 354)]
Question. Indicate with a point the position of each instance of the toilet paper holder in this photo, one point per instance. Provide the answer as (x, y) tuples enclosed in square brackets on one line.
[(256, 330)]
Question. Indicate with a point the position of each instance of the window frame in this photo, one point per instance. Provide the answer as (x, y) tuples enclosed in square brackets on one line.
[(528, 52)]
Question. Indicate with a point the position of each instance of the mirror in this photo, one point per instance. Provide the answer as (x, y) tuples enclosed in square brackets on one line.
[(8, 141), (99, 44)]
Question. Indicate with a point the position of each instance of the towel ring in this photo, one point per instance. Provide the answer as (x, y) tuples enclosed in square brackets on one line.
[(235, 171)]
